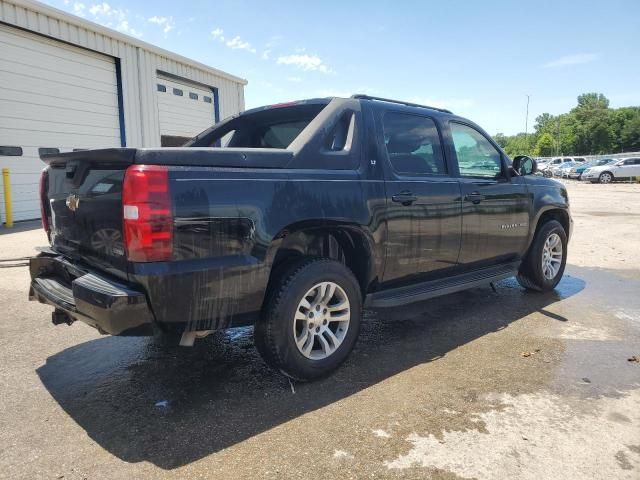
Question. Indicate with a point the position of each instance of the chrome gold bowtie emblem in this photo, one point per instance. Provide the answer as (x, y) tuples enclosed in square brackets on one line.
[(73, 202)]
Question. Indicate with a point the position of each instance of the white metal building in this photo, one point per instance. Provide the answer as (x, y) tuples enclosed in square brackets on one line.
[(67, 83)]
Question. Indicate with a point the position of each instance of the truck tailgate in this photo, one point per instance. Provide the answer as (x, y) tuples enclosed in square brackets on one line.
[(82, 202)]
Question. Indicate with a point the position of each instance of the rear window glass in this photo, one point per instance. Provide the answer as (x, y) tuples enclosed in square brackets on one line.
[(269, 128), (281, 135)]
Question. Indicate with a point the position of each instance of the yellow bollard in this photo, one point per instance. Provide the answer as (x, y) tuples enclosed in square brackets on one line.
[(8, 212)]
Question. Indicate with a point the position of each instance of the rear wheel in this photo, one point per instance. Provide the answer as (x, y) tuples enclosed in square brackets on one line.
[(545, 262), (311, 319), (605, 177)]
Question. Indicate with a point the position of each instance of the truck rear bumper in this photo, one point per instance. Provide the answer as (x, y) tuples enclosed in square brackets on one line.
[(79, 294)]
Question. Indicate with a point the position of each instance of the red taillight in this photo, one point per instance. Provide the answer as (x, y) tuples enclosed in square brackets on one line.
[(146, 211), (43, 199)]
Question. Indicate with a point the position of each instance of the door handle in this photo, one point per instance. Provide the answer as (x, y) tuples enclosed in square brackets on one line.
[(474, 197), (405, 198)]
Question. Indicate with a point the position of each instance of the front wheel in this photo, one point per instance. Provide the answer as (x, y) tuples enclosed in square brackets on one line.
[(311, 320), (544, 264)]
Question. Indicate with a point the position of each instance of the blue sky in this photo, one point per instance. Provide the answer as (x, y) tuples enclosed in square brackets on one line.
[(479, 59)]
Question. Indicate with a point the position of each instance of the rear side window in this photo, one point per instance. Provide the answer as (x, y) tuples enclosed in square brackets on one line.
[(477, 157), (413, 144), (266, 128)]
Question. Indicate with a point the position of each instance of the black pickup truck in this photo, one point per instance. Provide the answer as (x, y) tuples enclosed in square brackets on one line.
[(293, 218)]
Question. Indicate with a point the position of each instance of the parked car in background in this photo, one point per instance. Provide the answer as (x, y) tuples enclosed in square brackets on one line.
[(623, 169), (562, 171), (547, 168), (577, 171)]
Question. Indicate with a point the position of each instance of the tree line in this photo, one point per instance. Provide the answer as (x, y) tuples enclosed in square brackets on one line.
[(590, 128)]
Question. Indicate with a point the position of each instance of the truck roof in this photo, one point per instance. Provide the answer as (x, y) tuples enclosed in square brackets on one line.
[(357, 96)]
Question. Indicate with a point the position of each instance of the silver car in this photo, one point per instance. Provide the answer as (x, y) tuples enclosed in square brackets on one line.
[(623, 169)]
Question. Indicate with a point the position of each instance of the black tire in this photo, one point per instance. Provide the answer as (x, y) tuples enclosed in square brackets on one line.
[(273, 333), (605, 175), (530, 274)]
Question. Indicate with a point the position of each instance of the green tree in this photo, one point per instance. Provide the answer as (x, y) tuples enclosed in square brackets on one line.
[(544, 123), (545, 146), (500, 139), (591, 127), (630, 135), (593, 100)]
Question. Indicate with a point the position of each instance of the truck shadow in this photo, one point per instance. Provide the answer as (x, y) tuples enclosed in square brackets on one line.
[(144, 401)]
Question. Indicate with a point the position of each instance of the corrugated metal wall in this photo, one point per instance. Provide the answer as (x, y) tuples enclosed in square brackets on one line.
[(138, 65)]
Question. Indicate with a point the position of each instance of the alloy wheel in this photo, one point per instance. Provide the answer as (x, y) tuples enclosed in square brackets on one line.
[(321, 320), (552, 256)]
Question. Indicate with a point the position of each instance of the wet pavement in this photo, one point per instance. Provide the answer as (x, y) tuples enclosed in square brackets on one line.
[(479, 384)]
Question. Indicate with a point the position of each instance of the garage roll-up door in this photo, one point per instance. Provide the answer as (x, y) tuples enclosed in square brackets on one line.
[(185, 110), (54, 96)]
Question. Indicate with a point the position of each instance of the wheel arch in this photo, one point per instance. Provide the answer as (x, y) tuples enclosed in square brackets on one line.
[(561, 215), (344, 242)]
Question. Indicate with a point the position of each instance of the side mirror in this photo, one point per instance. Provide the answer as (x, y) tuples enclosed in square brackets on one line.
[(524, 165)]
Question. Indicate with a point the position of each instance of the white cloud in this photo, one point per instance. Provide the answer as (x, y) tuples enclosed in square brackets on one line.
[(166, 23), (218, 34), (104, 9), (124, 27), (294, 79), (236, 43), (79, 8), (108, 16), (266, 54), (305, 62), (568, 60)]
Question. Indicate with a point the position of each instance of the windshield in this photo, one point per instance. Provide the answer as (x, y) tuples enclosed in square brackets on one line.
[(271, 127)]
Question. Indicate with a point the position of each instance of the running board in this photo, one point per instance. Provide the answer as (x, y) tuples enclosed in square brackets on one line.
[(435, 288)]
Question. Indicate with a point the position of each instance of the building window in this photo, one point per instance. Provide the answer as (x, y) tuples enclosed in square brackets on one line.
[(47, 151), (177, 91), (10, 151), (207, 99), (193, 96), (162, 88)]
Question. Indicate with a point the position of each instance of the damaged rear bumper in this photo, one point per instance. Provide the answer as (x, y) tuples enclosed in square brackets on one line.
[(80, 294)]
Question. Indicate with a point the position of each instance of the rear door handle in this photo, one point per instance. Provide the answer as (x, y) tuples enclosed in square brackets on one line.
[(474, 197), (405, 198)]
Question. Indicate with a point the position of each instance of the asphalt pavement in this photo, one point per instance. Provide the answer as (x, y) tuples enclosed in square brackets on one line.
[(480, 384)]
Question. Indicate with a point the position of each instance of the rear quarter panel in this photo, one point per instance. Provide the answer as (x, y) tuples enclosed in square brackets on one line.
[(228, 225)]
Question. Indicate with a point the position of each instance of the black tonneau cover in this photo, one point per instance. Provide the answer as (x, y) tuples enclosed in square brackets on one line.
[(180, 156)]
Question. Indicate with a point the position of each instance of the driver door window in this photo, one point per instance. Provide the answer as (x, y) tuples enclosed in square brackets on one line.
[(477, 157)]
